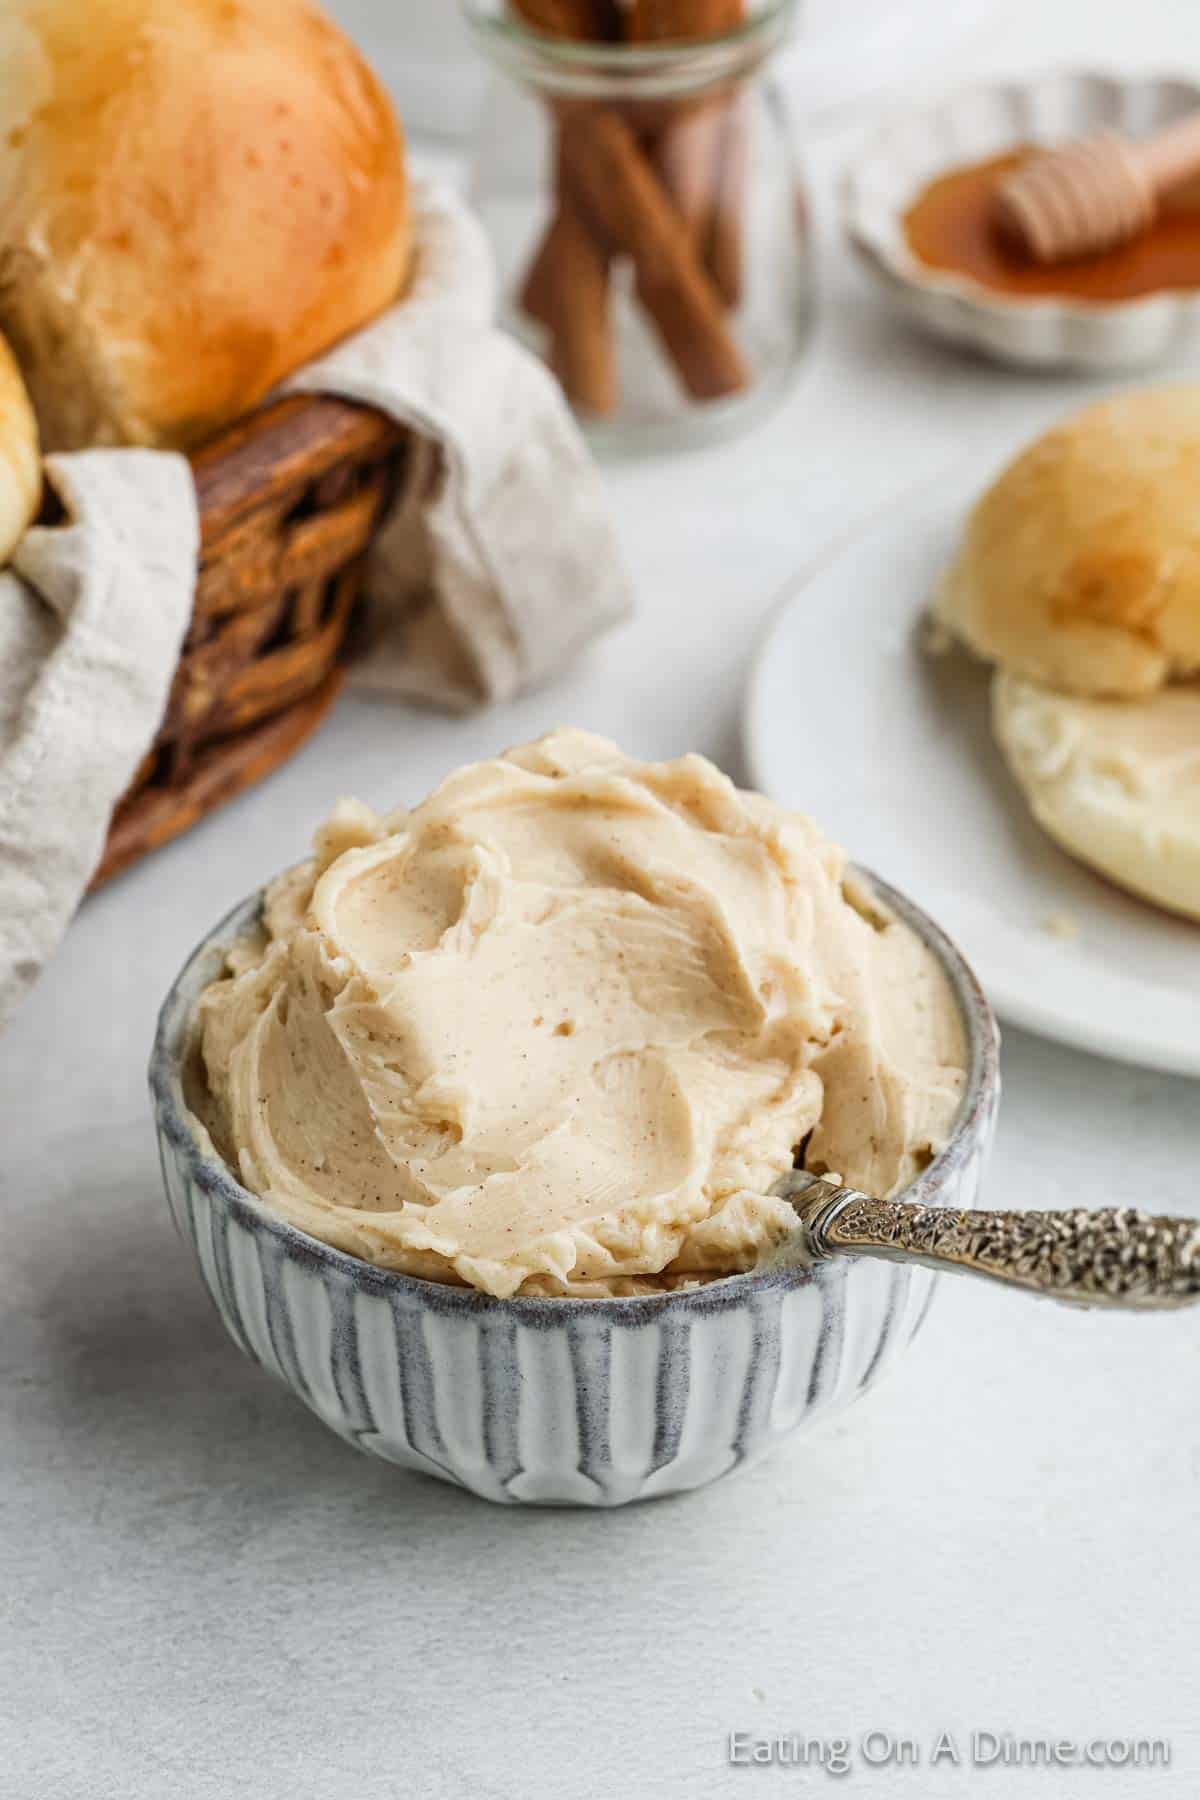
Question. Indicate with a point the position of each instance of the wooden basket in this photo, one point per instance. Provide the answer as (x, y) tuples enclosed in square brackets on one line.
[(289, 501)]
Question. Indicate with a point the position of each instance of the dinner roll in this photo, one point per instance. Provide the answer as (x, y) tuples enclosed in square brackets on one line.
[(20, 463), (1115, 782), (1080, 566), (196, 196)]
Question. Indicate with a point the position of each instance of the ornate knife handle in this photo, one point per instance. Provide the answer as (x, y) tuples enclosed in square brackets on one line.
[(1111, 1257)]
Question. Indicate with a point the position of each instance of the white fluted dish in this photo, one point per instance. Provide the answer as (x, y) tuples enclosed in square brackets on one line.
[(1052, 332), (554, 1401)]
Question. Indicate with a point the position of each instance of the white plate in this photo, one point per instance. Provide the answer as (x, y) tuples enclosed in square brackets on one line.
[(847, 718)]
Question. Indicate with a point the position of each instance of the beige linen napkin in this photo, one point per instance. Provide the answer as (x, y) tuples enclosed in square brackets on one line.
[(501, 562), (92, 614), (498, 565)]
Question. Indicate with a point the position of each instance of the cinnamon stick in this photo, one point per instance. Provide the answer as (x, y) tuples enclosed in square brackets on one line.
[(567, 290), (693, 149), (626, 201), (541, 283), (612, 200), (688, 156), (679, 21), (580, 19), (724, 250)]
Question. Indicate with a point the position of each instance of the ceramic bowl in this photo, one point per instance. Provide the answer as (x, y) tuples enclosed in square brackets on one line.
[(977, 122), (584, 1402)]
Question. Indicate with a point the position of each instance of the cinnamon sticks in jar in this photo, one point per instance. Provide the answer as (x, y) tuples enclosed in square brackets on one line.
[(652, 186)]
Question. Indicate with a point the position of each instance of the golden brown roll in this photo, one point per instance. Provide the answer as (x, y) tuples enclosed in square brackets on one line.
[(1080, 566), (20, 461), (196, 196)]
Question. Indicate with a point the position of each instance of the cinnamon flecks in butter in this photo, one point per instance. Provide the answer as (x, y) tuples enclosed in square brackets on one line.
[(560, 1028)]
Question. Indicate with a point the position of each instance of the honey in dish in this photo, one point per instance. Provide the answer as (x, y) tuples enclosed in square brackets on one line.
[(949, 226)]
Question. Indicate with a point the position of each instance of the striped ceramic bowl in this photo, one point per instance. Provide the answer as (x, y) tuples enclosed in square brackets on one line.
[(559, 1401)]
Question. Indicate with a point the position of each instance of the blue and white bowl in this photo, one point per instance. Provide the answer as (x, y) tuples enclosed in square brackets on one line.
[(553, 1401)]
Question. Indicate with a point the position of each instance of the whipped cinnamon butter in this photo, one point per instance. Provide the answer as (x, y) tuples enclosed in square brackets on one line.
[(559, 1029)]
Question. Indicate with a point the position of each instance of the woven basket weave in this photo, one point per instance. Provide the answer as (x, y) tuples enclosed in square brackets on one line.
[(289, 502)]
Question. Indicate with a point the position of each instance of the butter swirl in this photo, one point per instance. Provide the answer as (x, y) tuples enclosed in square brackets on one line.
[(560, 1028)]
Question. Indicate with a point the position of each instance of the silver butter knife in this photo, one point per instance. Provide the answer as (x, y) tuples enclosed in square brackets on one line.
[(1113, 1257)]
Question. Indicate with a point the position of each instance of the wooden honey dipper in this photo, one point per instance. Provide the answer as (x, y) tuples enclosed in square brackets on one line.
[(1094, 194)]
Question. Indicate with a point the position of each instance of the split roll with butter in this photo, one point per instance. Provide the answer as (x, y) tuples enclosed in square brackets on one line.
[(560, 1029), (1079, 578)]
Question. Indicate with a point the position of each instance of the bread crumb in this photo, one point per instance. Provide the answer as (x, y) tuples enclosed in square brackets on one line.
[(1061, 925)]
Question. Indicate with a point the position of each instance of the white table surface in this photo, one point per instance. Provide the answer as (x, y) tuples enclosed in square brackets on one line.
[(205, 1593)]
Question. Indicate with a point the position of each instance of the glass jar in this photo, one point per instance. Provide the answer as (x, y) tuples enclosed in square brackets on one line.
[(648, 220)]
